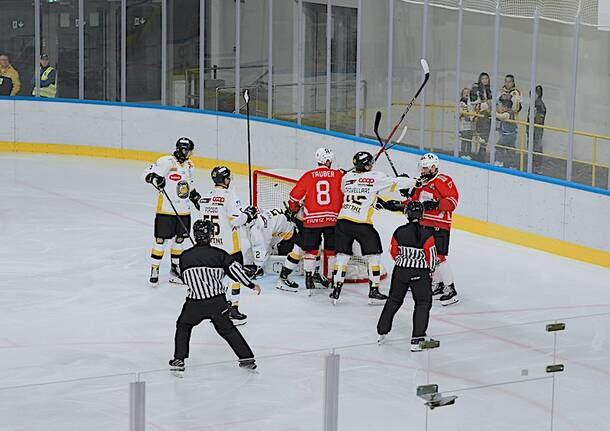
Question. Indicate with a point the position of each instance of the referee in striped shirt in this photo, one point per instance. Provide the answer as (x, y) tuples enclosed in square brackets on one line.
[(203, 269), (414, 252)]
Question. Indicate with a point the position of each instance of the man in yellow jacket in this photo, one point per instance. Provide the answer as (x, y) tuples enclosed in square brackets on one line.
[(7, 71), (48, 79)]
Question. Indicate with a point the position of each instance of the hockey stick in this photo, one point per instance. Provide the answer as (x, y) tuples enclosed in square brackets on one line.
[(247, 99), (376, 130), (424, 65), (188, 231)]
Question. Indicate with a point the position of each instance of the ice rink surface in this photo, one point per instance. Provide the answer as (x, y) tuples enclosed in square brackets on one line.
[(75, 303)]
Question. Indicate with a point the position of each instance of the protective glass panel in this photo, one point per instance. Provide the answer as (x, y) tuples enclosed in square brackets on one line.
[(220, 55), (441, 92), (59, 42), (284, 391), (374, 64), (102, 50), (285, 60), (95, 404), (407, 70), (552, 108), (592, 143), (183, 53), (17, 57), (254, 67), (475, 85), (144, 51)]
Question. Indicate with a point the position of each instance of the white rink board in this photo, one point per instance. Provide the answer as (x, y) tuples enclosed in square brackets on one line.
[(522, 203)]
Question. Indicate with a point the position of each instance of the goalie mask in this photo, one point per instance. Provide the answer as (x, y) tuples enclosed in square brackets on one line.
[(184, 148), (430, 163), (324, 155)]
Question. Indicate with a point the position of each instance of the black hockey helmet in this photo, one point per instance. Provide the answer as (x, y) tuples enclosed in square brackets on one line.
[(414, 211), (220, 174), (203, 231), (184, 146), (363, 161)]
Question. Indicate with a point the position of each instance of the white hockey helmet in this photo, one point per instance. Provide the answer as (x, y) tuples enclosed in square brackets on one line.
[(427, 161), (323, 155)]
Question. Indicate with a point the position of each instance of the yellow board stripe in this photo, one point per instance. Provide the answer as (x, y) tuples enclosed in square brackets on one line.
[(468, 224), (114, 153), (532, 240)]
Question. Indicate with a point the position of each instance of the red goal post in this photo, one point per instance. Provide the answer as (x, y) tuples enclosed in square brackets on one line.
[(271, 188)]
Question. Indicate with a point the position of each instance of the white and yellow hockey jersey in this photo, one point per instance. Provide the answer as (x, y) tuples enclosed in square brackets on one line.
[(178, 184), (268, 230), (223, 208), (360, 190)]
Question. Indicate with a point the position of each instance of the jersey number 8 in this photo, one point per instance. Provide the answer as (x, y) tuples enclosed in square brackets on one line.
[(323, 192)]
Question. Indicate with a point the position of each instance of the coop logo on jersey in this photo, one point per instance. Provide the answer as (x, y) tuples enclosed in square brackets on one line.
[(366, 180), (175, 177), (218, 200)]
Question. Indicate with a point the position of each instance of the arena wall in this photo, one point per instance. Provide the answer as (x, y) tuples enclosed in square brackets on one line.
[(543, 213)]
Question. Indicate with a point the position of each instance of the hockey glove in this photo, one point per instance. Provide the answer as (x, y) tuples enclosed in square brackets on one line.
[(156, 180), (194, 197), (391, 205), (430, 205), (251, 212), (407, 193)]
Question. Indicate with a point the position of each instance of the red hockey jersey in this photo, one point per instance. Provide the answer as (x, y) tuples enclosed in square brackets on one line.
[(441, 189), (319, 192)]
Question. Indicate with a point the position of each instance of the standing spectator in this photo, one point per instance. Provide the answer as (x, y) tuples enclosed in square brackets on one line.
[(8, 71), (48, 79), (466, 123), (505, 152), (480, 98), (539, 117), (511, 92)]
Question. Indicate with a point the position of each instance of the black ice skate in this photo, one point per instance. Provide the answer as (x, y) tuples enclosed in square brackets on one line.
[(154, 277), (437, 290), (174, 275), (375, 296), (309, 285), (247, 364), (450, 296), (321, 280), (334, 295), (284, 283), (237, 317), (423, 343), (176, 366)]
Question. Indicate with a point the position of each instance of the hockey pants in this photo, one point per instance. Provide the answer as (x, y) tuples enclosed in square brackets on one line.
[(215, 309), (403, 279)]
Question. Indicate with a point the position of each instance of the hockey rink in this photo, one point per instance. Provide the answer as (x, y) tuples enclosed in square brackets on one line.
[(78, 323)]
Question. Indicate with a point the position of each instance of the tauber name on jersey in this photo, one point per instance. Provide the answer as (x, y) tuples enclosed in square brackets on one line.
[(222, 208), (360, 190), (178, 184)]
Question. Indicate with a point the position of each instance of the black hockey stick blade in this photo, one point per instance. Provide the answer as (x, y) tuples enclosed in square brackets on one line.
[(377, 122)]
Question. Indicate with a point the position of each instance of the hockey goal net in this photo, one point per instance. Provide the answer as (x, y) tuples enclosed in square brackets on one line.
[(271, 188)]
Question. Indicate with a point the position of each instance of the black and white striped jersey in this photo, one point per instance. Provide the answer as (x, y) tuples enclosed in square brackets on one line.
[(413, 247), (203, 269)]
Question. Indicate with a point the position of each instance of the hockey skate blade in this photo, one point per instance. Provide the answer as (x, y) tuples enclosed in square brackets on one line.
[(151, 284), (373, 301), (284, 288), (175, 280), (450, 301), (177, 373), (239, 322), (381, 340), (310, 292)]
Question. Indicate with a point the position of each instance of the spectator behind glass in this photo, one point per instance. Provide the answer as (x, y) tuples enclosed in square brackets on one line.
[(539, 117), (48, 79), (466, 121), (480, 100), (7, 71), (509, 91), (505, 151)]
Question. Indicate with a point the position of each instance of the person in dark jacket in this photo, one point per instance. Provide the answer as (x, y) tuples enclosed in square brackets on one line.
[(539, 118), (414, 252), (203, 268)]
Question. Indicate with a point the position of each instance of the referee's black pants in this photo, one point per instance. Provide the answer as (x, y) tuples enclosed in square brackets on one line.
[(216, 309), (420, 283)]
